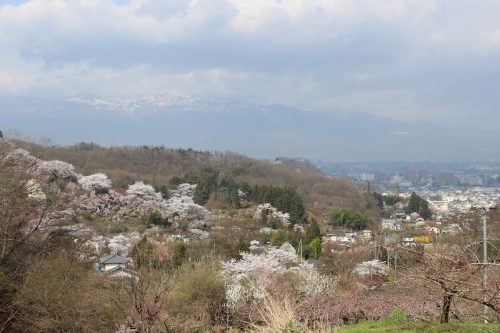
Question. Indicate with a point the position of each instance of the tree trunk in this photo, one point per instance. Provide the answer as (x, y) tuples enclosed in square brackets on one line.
[(445, 312)]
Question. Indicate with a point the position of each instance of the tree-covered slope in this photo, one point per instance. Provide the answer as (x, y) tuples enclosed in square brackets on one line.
[(159, 165)]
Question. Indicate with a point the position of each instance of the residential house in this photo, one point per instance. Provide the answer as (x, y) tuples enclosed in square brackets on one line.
[(420, 222), (184, 235), (408, 240), (388, 224), (400, 214), (365, 235), (341, 237), (115, 266), (111, 262)]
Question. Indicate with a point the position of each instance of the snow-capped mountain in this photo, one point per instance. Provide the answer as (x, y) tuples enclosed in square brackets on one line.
[(155, 103), (144, 103), (199, 122)]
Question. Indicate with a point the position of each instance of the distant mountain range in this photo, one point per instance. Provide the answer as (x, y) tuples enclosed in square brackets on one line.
[(262, 131)]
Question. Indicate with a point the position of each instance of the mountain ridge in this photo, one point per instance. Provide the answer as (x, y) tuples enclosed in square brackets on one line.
[(260, 131)]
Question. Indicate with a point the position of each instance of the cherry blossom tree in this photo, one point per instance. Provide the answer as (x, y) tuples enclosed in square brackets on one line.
[(184, 190), (34, 190), (21, 157), (57, 170), (144, 191), (254, 276), (98, 182), (268, 209)]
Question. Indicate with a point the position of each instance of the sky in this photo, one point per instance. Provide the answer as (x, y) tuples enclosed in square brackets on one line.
[(415, 60)]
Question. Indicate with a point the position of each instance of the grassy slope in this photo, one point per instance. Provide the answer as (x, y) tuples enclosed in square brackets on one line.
[(158, 165), (390, 326)]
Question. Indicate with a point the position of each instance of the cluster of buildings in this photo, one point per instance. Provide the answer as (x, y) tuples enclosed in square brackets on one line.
[(450, 201), (347, 239), (419, 175)]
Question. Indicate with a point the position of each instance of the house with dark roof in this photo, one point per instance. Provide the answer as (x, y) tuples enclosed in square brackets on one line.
[(184, 235), (111, 262)]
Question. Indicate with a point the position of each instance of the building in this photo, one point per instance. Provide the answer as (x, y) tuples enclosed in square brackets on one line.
[(388, 224), (111, 262), (365, 235)]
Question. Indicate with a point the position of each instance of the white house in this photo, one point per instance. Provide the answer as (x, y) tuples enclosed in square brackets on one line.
[(111, 262), (388, 224)]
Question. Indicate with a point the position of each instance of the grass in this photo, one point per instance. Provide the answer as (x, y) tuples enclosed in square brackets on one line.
[(398, 323)]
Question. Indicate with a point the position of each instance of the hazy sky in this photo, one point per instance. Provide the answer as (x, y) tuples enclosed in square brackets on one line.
[(415, 59)]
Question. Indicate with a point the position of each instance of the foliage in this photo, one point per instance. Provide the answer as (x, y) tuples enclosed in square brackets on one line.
[(312, 231), (283, 199), (60, 294), (198, 296), (346, 218), (266, 209), (143, 255), (158, 165), (388, 199), (418, 205), (313, 249), (282, 236), (156, 218), (206, 183), (179, 253)]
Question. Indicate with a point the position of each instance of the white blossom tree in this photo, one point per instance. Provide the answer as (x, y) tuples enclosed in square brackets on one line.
[(34, 190), (184, 190), (97, 182), (57, 169), (144, 191), (268, 209)]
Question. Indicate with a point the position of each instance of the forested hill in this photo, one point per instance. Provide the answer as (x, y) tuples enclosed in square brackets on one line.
[(159, 165)]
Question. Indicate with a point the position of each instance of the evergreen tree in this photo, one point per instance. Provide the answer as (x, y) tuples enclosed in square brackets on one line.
[(419, 205), (315, 248), (346, 218), (313, 231)]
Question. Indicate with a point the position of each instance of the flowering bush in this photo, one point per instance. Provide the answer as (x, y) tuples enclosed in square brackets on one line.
[(105, 204), (313, 283), (367, 268), (22, 157), (57, 170), (184, 190), (255, 275), (34, 190), (98, 182), (184, 208), (140, 200), (143, 191), (268, 209)]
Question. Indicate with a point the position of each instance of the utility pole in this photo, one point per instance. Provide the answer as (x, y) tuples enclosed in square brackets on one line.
[(300, 249), (485, 262)]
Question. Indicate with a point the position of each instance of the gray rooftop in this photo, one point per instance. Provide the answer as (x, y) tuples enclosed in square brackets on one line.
[(112, 259)]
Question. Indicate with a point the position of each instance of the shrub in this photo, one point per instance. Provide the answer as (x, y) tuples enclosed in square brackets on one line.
[(198, 298)]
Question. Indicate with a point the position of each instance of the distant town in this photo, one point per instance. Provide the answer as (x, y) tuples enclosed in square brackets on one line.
[(450, 188)]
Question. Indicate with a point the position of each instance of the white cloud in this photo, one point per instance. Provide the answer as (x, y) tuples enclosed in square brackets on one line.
[(369, 55)]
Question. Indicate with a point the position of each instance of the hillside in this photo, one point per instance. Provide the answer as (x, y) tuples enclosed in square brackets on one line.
[(219, 237), (158, 165)]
